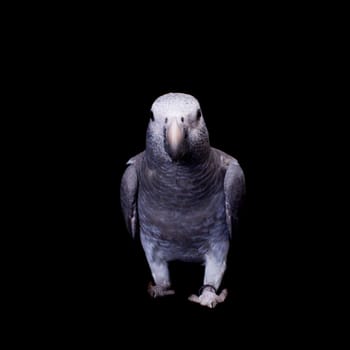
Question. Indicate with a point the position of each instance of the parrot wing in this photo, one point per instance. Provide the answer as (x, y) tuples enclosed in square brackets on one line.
[(128, 194)]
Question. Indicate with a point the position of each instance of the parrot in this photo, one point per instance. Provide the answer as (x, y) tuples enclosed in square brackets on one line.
[(182, 197)]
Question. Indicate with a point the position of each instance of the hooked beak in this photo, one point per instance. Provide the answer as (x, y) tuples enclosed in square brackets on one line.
[(175, 140)]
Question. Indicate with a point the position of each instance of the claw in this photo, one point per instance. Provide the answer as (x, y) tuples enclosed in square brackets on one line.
[(193, 298), (208, 298), (222, 296), (159, 291)]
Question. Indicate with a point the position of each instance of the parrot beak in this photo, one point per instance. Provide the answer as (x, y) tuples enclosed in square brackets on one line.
[(175, 140)]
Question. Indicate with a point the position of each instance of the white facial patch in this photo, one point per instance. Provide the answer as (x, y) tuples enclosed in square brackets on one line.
[(175, 105)]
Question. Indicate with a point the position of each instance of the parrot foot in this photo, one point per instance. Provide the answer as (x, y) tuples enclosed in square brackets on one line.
[(158, 291), (209, 298)]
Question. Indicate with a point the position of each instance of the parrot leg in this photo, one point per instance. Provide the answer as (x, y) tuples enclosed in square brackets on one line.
[(214, 272), (160, 273)]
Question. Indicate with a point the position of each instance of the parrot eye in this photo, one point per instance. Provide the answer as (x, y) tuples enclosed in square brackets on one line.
[(199, 114), (166, 120), (182, 119), (151, 115)]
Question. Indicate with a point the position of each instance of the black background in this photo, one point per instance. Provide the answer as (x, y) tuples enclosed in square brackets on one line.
[(255, 93)]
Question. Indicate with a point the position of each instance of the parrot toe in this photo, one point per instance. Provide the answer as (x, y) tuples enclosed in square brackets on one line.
[(158, 291)]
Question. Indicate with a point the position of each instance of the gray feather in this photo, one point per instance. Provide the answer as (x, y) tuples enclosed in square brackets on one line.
[(234, 187), (128, 194), (181, 195)]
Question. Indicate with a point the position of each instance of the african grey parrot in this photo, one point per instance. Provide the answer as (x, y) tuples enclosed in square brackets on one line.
[(182, 196)]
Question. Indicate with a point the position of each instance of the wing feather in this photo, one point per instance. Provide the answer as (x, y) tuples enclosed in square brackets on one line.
[(234, 187), (128, 194)]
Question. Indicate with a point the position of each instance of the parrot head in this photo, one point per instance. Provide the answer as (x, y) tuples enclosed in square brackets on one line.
[(177, 128)]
